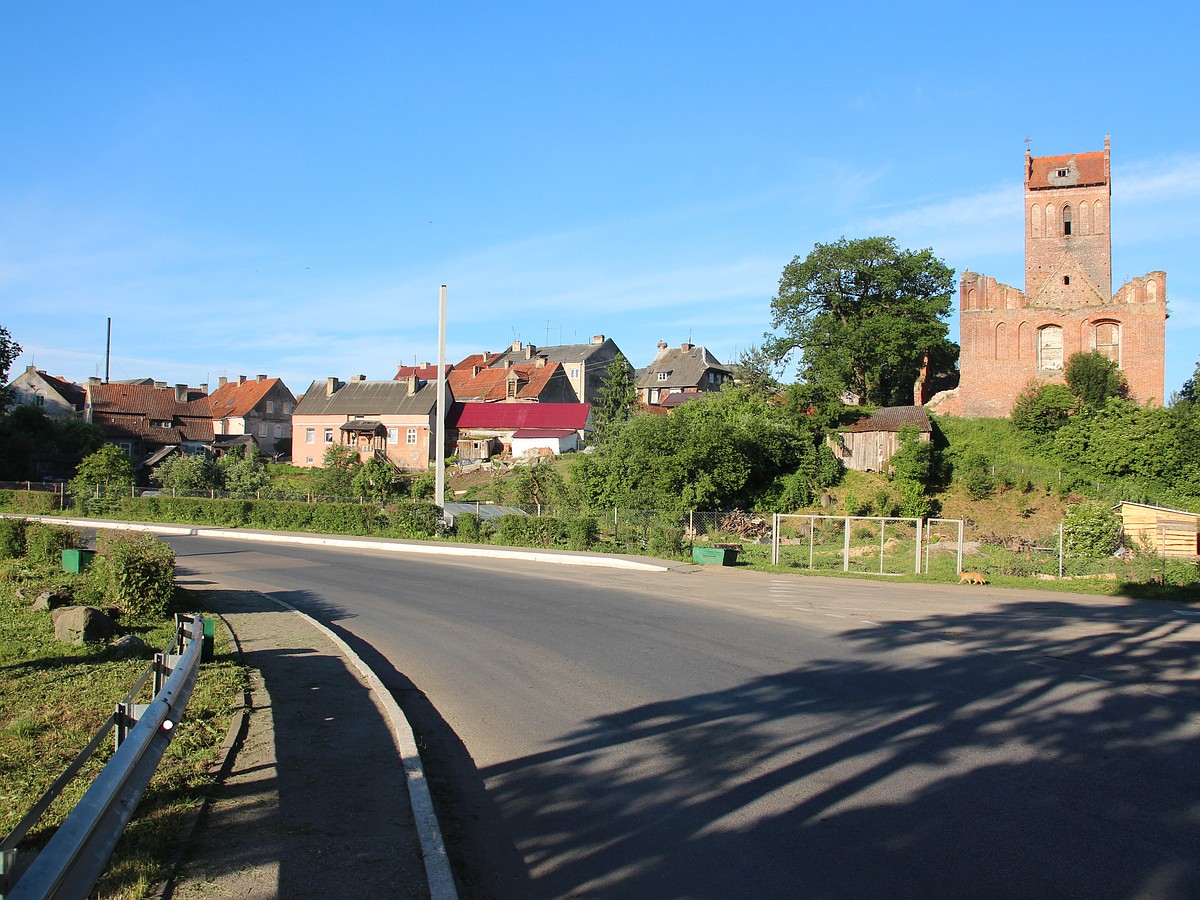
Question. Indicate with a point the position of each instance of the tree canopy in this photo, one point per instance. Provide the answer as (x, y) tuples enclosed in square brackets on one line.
[(863, 314), (615, 399), (1093, 378), (9, 351)]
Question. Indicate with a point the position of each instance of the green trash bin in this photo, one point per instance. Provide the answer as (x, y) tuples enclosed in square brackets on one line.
[(715, 555), (77, 559), (206, 651)]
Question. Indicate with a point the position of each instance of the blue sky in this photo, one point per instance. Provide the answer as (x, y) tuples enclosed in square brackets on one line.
[(280, 188)]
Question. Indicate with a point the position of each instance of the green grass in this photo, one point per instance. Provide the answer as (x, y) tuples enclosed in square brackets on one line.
[(54, 697)]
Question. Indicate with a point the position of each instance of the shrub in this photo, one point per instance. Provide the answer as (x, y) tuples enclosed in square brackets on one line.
[(582, 532), (975, 475), (1090, 530), (665, 538), (35, 502), (137, 572), (416, 520), (914, 504), (6, 499), (45, 543), (12, 538), (510, 529), (468, 528)]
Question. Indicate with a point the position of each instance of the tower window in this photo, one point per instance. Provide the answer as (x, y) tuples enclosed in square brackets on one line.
[(1066, 220), (1066, 279)]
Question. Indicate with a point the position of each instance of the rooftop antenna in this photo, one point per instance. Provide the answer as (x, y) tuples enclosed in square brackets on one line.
[(107, 349), (547, 331)]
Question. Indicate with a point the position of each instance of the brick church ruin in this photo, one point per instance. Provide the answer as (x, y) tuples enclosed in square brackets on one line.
[(1010, 337)]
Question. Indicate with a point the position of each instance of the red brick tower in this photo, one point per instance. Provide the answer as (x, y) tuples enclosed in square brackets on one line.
[(1011, 337)]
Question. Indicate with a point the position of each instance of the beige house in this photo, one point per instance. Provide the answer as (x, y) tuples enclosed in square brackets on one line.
[(260, 407), (56, 397), (394, 421)]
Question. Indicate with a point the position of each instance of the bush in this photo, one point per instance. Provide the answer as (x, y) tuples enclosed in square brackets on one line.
[(665, 538), (416, 520), (468, 528), (137, 572), (582, 532), (45, 543), (1090, 530), (35, 502), (12, 538), (914, 504)]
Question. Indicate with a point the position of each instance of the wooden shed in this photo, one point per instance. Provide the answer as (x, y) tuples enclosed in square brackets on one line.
[(868, 444), (1168, 532)]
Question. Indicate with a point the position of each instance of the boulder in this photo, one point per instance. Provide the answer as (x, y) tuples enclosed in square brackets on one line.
[(51, 600), (81, 625), (129, 645)]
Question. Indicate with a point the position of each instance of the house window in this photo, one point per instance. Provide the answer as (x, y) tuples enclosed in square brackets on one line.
[(308, 459), (329, 435), (310, 435), (662, 376), (654, 397), (1050, 348), (412, 437), (575, 373), (262, 429), (39, 400), (270, 407), (393, 436), (126, 447), (512, 392), (712, 377)]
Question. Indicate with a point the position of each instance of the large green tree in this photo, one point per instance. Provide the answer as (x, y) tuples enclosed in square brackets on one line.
[(1093, 378), (103, 473), (9, 351), (863, 314)]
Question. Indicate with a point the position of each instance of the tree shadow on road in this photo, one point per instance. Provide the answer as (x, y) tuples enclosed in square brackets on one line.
[(1047, 749)]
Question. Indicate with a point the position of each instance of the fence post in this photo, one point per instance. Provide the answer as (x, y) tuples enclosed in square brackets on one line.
[(846, 547), (1060, 551), (917, 570), (812, 530), (960, 543), (775, 539)]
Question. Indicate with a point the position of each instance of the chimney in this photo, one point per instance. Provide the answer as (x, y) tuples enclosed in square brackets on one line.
[(241, 379), (486, 355), (662, 348), (686, 347), (181, 393), (204, 388), (160, 385), (330, 386), (598, 339), (30, 369), (357, 378), (262, 377), (541, 362), (93, 380), (412, 384), (222, 381), (529, 351), (516, 345)]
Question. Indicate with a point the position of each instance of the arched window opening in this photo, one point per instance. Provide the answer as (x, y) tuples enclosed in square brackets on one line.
[(1066, 220), (1106, 339), (1035, 220), (1050, 348)]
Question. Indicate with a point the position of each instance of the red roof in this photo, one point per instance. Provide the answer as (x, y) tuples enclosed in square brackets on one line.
[(236, 400), (570, 416), (1044, 170), (492, 384), (424, 372), (150, 413)]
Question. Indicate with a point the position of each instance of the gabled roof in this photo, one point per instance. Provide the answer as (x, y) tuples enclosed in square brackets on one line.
[(367, 398), (138, 411), (1082, 168), (683, 366), (492, 384), (892, 418), (573, 416), (70, 391), (425, 371), (563, 353), (233, 399)]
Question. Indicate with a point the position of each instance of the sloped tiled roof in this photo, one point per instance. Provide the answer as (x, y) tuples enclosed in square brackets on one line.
[(236, 400), (425, 371), (492, 384), (368, 398), (563, 353), (892, 418), (571, 416), (70, 391), (684, 367), (1044, 170), (131, 411)]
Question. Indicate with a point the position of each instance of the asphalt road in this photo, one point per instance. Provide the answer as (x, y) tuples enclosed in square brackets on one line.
[(723, 733)]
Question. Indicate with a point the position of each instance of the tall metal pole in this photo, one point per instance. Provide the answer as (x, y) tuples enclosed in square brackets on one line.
[(107, 349), (440, 476)]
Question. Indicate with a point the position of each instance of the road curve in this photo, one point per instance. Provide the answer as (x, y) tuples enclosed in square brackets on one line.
[(724, 733)]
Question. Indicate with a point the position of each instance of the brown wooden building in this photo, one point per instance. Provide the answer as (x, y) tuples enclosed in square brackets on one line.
[(1166, 532)]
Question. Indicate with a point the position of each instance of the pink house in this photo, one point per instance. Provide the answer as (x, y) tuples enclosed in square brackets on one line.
[(391, 420)]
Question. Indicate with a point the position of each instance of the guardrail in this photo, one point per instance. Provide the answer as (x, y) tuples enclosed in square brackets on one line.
[(74, 858)]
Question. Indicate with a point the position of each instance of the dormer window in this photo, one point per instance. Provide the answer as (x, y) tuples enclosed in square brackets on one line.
[(1062, 173), (662, 376)]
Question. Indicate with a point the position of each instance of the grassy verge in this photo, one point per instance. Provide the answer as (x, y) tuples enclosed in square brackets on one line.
[(54, 697)]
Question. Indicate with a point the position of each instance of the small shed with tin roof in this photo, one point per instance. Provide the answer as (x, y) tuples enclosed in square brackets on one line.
[(868, 444)]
